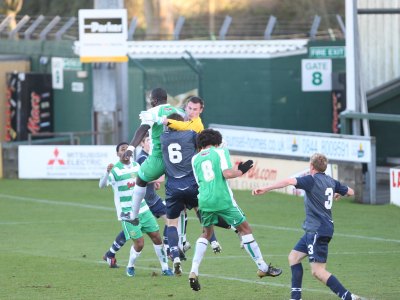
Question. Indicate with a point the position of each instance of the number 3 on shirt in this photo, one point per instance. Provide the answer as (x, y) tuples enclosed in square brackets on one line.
[(329, 202), (208, 172)]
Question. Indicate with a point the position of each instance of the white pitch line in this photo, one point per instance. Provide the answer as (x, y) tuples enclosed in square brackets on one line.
[(99, 207)]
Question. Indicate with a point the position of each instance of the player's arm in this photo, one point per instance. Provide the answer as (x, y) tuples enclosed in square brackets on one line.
[(104, 178), (277, 185), (243, 167), (137, 138), (195, 125)]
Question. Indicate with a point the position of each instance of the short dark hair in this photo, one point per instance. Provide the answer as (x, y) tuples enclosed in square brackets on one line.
[(195, 99), (159, 94), (176, 116), (209, 137), (120, 144)]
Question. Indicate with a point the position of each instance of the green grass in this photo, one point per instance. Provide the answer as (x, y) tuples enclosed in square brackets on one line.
[(53, 234)]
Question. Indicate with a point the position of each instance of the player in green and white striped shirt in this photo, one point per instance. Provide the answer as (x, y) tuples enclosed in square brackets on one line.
[(122, 179), (211, 167)]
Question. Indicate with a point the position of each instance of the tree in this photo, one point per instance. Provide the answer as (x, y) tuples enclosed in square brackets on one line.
[(11, 8)]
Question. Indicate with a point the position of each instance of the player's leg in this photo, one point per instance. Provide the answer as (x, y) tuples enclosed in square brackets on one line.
[(318, 254), (298, 253), (236, 218), (200, 250), (151, 169), (150, 226), (135, 234), (212, 239), (159, 210), (109, 256)]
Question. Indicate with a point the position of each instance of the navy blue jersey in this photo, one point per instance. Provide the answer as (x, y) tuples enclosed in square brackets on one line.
[(151, 196), (178, 148), (319, 190)]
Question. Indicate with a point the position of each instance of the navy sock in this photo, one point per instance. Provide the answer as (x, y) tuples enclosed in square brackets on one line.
[(117, 244), (336, 287), (213, 238), (297, 278), (173, 239), (165, 235)]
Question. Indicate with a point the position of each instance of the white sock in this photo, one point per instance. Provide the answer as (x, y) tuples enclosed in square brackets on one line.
[(162, 256), (137, 197), (181, 230), (254, 251), (133, 255), (201, 247)]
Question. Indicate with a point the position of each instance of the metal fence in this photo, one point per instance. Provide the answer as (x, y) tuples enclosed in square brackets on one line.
[(329, 27)]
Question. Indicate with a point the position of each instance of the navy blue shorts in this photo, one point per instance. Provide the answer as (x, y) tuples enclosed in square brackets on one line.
[(158, 209), (178, 199), (315, 246)]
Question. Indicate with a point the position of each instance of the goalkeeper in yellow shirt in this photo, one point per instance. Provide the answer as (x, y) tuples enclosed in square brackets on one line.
[(193, 109)]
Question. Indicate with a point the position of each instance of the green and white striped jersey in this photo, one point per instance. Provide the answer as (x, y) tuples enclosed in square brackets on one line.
[(122, 179), (214, 191), (155, 129)]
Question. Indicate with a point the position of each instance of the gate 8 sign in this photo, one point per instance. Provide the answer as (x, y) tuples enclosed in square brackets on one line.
[(316, 75)]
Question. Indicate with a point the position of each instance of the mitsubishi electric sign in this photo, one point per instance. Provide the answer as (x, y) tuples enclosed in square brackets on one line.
[(103, 35)]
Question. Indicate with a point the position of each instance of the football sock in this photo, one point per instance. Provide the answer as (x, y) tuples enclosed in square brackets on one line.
[(133, 255), (138, 194), (254, 251), (162, 256), (117, 244), (297, 278), (165, 239), (201, 247), (173, 241), (336, 287), (182, 229)]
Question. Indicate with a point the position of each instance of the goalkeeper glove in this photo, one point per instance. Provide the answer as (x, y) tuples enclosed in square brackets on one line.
[(146, 116), (128, 217), (245, 166)]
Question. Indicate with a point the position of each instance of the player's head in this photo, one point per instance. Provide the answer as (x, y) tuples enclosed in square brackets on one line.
[(158, 96), (319, 162), (121, 148), (194, 107), (209, 137), (175, 116), (145, 143)]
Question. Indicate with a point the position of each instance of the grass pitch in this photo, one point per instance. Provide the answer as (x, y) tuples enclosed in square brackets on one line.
[(54, 232)]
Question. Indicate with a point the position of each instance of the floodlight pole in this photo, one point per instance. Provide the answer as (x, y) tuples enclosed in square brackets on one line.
[(352, 96)]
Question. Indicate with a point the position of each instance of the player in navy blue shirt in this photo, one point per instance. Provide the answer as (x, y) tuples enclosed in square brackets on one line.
[(320, 191)]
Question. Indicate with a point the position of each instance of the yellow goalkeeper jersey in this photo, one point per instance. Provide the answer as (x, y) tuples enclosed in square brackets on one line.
[(196, 125)]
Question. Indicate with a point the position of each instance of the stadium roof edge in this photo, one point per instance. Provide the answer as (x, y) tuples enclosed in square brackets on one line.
[(255, 49)]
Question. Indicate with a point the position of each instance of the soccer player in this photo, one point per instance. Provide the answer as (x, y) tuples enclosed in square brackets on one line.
[(192, 121), (320, 191), (178, 148), (153, 166), (121, 177), (153, 200), (212, 167)]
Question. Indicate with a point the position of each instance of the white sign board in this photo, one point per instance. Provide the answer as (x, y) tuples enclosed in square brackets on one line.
[(57, 73), (103, 35), (316, 75), (297, 145), (64, 162), (395, 186)]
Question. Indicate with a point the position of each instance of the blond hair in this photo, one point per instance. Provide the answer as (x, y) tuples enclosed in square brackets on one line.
[(319, 162)]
